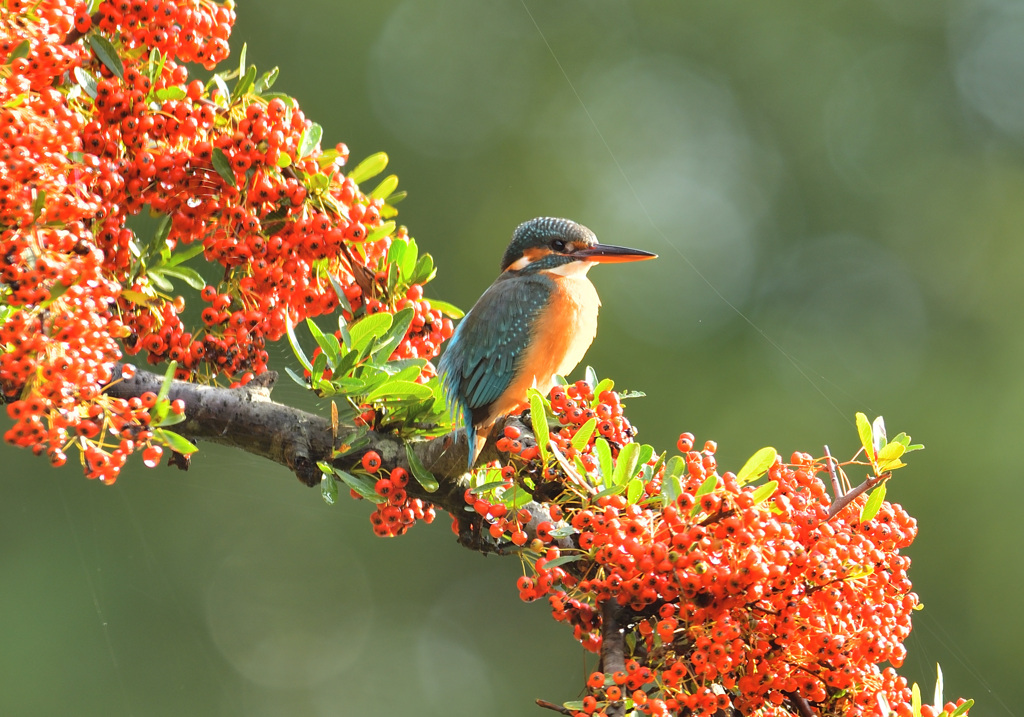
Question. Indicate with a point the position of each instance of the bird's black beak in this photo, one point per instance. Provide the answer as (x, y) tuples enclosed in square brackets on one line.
[(611, 254)]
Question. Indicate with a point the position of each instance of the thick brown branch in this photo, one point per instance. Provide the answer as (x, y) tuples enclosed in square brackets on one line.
[(248, 420), (613, 648)]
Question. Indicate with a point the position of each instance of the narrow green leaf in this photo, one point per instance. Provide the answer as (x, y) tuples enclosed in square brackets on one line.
[(764, 492), (591, 377), (165, 387), (310, 140), (288, 100), (394, 335), (241, 58), (631, 394), (915, 700), (401, 389), (604, 460), (362, 486), (222, 165), (340, 293), (328, 488), (385, 188), (634, 490), (864, 431), (707, 486), (296, 377), (369, 167), (175, 441), (186, 273), (424, 477), (294, 342), (107, 54), (180, 257), (39, 203), (328, 343), (266, 81), (425, 270), (962, 709), (245, 82), (561, 560), (583, 435), (625, 464), (870, 508), (878, 433), (937, 701), (368, 328), (447, 309), (540, 423), (757, 465)]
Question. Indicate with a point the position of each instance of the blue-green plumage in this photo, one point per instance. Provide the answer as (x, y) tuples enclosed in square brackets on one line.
[(481, 358)]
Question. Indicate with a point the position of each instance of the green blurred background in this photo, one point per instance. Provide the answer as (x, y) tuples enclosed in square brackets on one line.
[(836, 191)]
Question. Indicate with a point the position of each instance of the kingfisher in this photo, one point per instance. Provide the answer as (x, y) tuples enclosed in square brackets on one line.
[(535, 321)]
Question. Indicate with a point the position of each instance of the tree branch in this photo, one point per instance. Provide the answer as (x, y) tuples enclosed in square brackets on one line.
[(248, 420), (613, 648)]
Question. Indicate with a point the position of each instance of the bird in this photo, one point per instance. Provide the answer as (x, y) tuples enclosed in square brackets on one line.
[(535, 321)]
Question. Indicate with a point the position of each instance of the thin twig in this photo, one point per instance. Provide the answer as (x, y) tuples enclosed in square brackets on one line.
[(841, 503), (837, 487), (553, 707)]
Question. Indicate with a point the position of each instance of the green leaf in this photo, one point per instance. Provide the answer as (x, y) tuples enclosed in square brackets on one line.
[(174, 92), (385, 188), (86, 81), (539, 420), (447, 309), (39, 203), (294, 342), (583, 435), (591, 376), (870, 508), (296, 377), (625, 464), (604, 460), (380, 232), (342, 299), (937, 701), (244, 84), (187, 274), (329, 488), (165, 387), (222, 165), (757, 465), (634, 490), (878, 433), (606, 384), (21, 50), (915, 700), (107, 54), (561, 560), (962, 709), (180, 257), (369, 167), (891, 451), (424, 477), (631, 394), (425, 270), (864, 431), (394, 336), (671, 488), (401, 389), (362, 486), (368, 328), (706, 487), (645, 455), (764, 492), (174, 441), (241, 58), (266, 81), (310, 140), (328, 343)]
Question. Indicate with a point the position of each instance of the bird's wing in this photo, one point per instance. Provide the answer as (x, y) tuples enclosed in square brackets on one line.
[(492, 336)]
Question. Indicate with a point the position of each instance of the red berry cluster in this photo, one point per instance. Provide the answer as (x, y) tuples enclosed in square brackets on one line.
[(737, 597), (396, 511), (99, 121)]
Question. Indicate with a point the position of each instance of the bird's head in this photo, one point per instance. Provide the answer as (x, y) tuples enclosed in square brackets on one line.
[(561, 246)]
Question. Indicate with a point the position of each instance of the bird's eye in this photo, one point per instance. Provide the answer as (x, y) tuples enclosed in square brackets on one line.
[(558, 245)]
